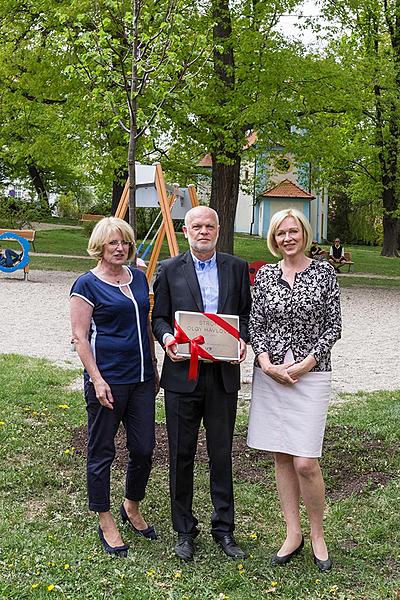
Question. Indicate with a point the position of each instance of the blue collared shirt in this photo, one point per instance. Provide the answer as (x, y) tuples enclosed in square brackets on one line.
[(207, 277)]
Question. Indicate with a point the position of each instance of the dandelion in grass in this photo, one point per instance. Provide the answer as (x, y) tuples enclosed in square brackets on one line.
[(241, 568), (63, 406), (151, 573), (253, 536), (50, 587), (274, 583), (333, 589), (67, 451), (66, 566), (317, 581), (34, 586), (2, 423), (178, 574)]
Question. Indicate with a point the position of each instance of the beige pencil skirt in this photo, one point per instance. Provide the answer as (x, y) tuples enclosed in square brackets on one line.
[(289, 419)]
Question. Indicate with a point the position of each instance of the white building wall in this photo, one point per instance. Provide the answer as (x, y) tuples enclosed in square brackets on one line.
[(244, 212)]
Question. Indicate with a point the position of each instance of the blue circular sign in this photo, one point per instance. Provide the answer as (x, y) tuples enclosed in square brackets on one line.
[(25, 251)]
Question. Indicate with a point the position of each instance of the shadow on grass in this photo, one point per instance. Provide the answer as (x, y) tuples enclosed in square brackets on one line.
[(353, 461)]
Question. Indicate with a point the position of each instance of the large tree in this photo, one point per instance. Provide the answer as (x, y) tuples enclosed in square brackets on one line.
[(241, 89), (39, 142), (355, 120)]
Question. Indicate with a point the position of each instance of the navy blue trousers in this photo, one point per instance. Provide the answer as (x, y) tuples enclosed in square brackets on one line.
[(134, 406)]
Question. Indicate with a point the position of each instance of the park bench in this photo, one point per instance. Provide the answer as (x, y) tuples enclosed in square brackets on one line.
[(346, 263), (27, 234), (89, 217)]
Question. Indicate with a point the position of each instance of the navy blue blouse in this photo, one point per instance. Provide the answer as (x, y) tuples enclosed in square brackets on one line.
[(118, 330)]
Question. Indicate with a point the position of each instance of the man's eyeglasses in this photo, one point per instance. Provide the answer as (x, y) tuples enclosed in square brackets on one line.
[(116, 243)]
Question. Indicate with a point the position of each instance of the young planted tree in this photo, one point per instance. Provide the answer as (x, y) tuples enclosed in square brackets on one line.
[(132, 56)]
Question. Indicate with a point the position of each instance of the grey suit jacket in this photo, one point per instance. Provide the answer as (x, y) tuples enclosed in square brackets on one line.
[(176, 288)]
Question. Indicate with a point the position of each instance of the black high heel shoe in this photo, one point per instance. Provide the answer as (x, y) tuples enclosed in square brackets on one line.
[(323, 565), (149, 533), (121, 551), (277, 560)]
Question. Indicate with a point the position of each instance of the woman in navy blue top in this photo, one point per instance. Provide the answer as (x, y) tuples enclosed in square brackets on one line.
[(110, 330)]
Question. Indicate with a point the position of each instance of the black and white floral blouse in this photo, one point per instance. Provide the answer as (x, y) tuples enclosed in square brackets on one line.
[(305, 318)]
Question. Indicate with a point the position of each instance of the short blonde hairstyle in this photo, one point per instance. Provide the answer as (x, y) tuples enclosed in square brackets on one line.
[(102, 233), (277, 219)]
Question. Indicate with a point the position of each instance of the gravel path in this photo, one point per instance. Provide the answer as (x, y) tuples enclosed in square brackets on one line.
[(35, 322)]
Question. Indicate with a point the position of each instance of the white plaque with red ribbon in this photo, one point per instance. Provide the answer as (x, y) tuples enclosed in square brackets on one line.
[(206, 336)]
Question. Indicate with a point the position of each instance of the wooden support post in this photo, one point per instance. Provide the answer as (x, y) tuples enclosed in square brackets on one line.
[(193, 195), (166, 212), (167, 227), (151, 266), (122, 207)]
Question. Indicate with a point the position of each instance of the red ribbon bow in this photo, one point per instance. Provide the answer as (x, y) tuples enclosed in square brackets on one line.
[(195, 343), (195, 349)]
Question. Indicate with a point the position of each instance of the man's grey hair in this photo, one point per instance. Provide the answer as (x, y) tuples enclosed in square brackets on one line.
[(191, 214)]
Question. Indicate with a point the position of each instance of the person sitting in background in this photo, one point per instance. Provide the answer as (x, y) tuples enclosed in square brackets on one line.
[(336, 253), (316, 251), (9, 258)]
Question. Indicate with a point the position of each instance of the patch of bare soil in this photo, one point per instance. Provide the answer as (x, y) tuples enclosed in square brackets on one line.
[(350, 467)]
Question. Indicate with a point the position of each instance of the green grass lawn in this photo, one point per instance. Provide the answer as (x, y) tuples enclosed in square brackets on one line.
[(48, 541), (62, 241), (73, 242)]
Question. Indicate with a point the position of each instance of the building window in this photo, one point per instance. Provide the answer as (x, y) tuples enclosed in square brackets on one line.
[(282, 164)]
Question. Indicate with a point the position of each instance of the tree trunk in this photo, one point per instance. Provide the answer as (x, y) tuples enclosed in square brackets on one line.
[(120, 177), (225, 177), (388, 146), (391, 236), (224, 197), (132, 182), (40, 187), (132, 104)]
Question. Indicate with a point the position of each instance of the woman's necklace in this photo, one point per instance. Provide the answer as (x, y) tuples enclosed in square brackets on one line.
[(118, 278), (112, 277)]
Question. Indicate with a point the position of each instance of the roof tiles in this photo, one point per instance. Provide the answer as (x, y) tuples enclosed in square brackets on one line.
[(287, 189)]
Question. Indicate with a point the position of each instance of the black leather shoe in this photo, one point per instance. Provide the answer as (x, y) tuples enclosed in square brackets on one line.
[(229, 545), (184, 547), (121, 551), (149, 533), (323, 565), (277, 560)]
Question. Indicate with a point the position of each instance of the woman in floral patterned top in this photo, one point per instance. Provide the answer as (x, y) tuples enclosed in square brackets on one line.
[(295, 321)]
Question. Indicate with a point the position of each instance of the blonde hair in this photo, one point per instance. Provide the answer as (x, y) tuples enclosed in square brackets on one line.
[(102, 233), (277, 219)]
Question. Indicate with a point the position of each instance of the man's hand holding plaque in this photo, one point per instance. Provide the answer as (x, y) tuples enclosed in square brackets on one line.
[(205, 336)]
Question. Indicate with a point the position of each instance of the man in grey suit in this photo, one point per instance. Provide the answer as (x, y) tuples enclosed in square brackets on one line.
[(201, 280)]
